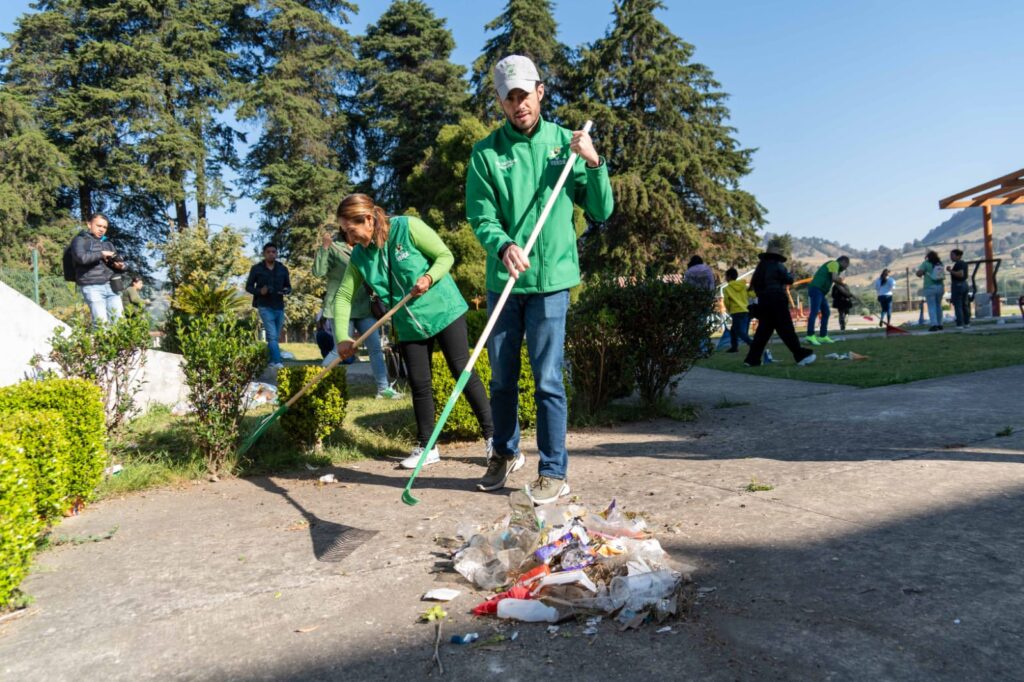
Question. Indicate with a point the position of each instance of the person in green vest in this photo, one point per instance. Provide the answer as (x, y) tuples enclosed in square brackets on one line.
[(331, 261), (396, 256), (510, 177), (817, 291), (132, 298)]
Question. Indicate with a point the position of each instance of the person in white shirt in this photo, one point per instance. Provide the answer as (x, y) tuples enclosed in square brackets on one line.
[(884, 286)]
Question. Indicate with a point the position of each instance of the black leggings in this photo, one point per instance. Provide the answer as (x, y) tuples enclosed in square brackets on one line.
[(454, 343)]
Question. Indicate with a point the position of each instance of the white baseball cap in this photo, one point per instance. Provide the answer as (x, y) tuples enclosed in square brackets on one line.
[(515, 71)]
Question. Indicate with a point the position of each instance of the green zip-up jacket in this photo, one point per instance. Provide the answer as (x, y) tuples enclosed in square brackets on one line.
[(412, 250), (509, 180), (332, 263)]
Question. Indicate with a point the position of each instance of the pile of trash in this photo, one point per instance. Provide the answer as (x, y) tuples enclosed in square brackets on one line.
[(560, 561)]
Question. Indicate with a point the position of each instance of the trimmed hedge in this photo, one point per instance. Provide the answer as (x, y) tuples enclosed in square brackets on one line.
[(41, 438), (317, 414), (462, 422), (80, 403), (19, 522)]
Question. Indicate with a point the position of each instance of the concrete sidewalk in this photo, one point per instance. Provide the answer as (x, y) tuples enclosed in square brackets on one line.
[(890, 547)]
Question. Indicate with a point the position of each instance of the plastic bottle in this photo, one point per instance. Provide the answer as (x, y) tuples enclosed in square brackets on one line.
[(527, 610), (641, 589)]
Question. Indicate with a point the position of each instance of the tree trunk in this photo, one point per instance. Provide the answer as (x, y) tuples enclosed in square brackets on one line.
[(85, 201)]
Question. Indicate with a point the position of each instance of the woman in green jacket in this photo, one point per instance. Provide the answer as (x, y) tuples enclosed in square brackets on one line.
[(331, 261), (395, 256)]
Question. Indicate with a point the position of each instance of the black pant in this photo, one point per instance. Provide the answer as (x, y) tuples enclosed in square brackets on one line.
[(961, 304), (773, 316), (454, 343)]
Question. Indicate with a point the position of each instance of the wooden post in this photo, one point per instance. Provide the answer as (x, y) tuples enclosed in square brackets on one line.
[(910, 306), (990, 282)]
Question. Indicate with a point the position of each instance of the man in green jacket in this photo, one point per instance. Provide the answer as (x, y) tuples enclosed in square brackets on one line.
[(817, 292), (511, 174)]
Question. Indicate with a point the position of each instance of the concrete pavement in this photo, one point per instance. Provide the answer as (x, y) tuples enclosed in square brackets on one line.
[(889, 547)]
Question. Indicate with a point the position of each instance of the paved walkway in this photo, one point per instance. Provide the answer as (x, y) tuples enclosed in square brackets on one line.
[(890, 547)]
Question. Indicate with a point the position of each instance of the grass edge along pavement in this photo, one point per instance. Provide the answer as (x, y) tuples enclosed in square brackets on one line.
[(891, 360)]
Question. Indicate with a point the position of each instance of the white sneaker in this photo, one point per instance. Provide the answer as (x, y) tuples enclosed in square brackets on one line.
[(331, 357), (410, 462)]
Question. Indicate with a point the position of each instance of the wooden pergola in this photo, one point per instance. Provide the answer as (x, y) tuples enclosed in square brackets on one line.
[(1004, 191)]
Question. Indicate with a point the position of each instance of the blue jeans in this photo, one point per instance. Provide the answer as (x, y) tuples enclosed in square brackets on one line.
[(273, 321), (380, 371), (886, 304), (738, 332), (933, 296), (819, 302), (104, 305), (541, 317)]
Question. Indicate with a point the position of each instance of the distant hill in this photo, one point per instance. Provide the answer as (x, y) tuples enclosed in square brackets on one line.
[(964, 222), (963, 230)]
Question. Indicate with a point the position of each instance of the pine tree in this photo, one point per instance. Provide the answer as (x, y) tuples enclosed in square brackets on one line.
[(408, 90), (526, 27), (33, 172), (661, 121), (437, 192), (299, 62), (128, 91)]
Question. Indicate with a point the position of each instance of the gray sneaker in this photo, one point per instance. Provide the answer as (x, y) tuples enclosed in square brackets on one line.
[(545, 490), (498, 471)]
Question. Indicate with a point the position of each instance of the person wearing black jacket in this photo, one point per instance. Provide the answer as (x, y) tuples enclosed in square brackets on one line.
[(96, 261), (269, 283), (842, 301), (772, 309)]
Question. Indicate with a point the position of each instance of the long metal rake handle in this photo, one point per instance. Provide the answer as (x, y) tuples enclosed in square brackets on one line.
[(492, 319)]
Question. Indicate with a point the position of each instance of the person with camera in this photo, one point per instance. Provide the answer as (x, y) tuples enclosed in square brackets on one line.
[(269, 282), (97, 270)]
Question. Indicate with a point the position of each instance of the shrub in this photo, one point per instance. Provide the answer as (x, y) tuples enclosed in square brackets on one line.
[(81, 406), (634, 335), (599, 360), (666, 327), (221, 358), (110, 356), (40, 436), (462, 422), (476, 320), (318, 413), (19, 522)]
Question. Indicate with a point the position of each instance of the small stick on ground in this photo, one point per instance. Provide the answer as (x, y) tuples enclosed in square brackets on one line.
[(437, 643)]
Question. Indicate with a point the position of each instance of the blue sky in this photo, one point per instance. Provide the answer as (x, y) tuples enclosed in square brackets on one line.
[(864, 113)]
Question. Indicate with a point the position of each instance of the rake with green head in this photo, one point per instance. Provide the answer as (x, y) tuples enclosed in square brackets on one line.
[(262, 427), (407, 495)]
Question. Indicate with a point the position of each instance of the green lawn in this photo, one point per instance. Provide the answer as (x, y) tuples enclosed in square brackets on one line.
[(156, 450), (892, 360)]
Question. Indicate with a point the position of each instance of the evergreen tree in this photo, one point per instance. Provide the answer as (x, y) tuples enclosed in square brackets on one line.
[(408, 90), (128, 91), (33, 172), (437, 192), (299, 62), (526, 27), (186, 71), (67, 62), (660, 119)]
